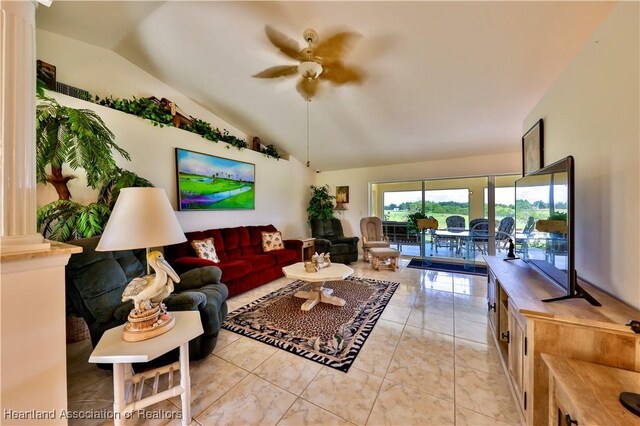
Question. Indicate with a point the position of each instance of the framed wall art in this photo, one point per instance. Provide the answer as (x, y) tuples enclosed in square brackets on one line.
[(342, 194), (207, 182), (532, 149)]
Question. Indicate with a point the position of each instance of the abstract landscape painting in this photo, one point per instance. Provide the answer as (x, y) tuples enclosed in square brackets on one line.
[(206, 182)]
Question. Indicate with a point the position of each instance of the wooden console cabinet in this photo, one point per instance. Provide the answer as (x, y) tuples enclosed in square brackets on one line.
[(524, 327), (584, 393)]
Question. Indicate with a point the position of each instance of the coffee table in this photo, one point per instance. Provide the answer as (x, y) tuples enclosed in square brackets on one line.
[(318, 293)]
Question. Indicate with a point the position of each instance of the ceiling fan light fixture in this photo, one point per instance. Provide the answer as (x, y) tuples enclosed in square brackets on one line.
[(310, 69)]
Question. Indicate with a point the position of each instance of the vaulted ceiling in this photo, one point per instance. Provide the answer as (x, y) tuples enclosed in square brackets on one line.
[(445, 79)]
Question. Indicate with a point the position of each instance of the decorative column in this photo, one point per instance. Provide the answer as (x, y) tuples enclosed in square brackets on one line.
[(17, 128)]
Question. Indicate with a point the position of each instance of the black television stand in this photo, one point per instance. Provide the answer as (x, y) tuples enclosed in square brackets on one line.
[(579, 294)]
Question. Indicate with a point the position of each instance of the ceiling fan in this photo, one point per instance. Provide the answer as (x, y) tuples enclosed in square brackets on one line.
[(320, 60)]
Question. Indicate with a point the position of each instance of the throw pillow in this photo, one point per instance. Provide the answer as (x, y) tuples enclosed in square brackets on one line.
[(205, 249), (272, 241)]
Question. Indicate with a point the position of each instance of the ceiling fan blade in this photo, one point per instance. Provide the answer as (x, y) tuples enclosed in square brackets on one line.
[(333, 48), (289, 47), (307, 87), (279, 71), (338, 73)]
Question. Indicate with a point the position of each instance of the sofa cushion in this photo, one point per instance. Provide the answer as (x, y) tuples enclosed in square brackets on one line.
[(196, 278), (235, 268), (132, 262), (218, 242), (255, 236), (272, 241), (234, 239), (285, 256), (100, 285), (260, 261), (175, 251), (341, 249), (205, 249)]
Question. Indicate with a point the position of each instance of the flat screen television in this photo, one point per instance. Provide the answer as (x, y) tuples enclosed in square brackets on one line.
[(545, 217)]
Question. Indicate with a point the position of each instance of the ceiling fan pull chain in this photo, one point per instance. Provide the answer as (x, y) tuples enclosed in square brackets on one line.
[(308, 162)]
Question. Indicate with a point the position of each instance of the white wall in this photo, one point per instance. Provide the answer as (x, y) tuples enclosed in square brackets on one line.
[(103, 72), (281, 186), (592, 112), (358, 179)]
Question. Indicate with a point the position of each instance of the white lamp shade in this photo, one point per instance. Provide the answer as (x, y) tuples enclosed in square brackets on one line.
[(141, 218)]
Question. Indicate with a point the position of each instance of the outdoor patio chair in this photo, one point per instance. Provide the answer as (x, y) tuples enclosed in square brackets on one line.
[(455, 223), (522, 240), (479, 234), (505, 229)]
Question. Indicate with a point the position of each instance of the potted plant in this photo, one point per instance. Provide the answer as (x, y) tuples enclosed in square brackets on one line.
[(556, 223), (321, 203), (412, 221)]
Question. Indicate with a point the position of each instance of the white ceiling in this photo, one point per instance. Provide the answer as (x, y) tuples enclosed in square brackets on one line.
[(446, 79)]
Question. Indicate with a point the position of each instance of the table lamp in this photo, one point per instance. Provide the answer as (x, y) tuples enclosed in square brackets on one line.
[(144, 218)]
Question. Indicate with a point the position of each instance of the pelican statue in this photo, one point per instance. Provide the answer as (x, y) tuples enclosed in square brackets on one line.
[(150, 290)]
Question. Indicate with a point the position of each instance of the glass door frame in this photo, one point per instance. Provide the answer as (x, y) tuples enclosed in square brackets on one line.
[(491, 186)]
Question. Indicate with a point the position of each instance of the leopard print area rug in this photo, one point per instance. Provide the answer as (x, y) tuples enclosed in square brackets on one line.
[(327, 334)]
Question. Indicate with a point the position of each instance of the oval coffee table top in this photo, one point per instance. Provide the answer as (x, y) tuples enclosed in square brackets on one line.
[(336, 271)]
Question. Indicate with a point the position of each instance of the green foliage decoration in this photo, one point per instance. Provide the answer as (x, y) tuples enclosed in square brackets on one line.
[(40, 86), (153, 111), (232, 140), (141, 107), (64, 220), (321, 203), (271, 151), (76, 137), (412, 220), (204, 129), (120, 179), (558, 216)]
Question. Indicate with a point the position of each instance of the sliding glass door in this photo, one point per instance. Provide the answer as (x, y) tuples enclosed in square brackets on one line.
[(467, 223)]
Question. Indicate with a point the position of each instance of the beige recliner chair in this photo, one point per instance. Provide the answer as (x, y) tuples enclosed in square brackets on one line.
[(371, 229)]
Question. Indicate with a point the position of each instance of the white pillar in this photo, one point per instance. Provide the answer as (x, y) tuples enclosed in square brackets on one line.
[(17, 128)]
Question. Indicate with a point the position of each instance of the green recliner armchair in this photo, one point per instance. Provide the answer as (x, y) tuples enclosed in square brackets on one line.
[(330, 238), (95, 282)]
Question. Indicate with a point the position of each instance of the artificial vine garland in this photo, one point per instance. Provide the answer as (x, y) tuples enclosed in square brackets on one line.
[(151, 110)]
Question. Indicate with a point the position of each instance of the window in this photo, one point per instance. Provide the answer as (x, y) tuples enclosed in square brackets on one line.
[(398, 204), (441, 203)]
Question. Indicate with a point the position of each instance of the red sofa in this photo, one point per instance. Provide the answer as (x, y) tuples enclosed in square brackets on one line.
[(243, 263)]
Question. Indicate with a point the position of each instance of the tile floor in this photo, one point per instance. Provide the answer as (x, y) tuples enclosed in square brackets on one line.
[(430, 360)]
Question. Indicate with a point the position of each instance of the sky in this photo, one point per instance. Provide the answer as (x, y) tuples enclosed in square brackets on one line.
[(207, 165), (504, 196)]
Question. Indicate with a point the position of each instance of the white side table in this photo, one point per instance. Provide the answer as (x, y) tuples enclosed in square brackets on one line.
[(308, 247), (114, 350)]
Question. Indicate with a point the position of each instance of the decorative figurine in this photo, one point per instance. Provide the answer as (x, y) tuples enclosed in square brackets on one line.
[(310, 267), (511, 255), (149, 317), (320, 260)]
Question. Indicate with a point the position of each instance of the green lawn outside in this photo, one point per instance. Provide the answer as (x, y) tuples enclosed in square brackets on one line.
[(521, 219), (401, 216)]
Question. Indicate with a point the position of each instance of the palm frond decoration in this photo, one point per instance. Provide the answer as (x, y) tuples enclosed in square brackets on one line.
[(76, 137), (64, 220), (120, 178)]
